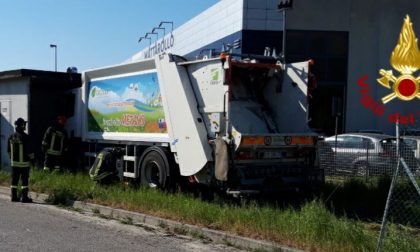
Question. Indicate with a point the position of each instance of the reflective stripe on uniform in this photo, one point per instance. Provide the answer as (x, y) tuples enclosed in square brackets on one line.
[(14, 186), (53, 152), (95, 174), (52, 142), (24, 187), (19, 163), (101, 157), (103, 175), (53, 138)]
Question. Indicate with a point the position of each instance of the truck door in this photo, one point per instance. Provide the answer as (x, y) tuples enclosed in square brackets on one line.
[(6, 129)]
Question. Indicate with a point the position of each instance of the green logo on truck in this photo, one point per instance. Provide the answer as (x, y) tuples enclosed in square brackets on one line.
[(215, 74)]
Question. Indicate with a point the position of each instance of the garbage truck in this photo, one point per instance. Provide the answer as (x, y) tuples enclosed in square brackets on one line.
[(235, 122)]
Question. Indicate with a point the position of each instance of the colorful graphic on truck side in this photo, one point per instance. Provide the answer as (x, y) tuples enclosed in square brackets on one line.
[(126, 104)]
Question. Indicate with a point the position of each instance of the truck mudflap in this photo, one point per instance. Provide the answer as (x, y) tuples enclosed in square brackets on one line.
[(276, 162)]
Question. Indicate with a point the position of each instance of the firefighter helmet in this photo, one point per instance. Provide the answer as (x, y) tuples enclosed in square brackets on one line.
[(61, 120), (20, 121)]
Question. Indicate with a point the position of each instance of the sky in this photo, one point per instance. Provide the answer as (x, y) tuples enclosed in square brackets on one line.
[(88, 33)]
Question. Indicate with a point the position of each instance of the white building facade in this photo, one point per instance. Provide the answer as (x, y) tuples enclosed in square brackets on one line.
[(347, 39)]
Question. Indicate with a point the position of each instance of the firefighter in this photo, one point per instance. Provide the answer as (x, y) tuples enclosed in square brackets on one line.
[(54, 144), (21, 155), (103, 170)]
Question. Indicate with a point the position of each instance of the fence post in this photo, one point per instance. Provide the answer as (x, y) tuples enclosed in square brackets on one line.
[(367, 162), (391, 188)]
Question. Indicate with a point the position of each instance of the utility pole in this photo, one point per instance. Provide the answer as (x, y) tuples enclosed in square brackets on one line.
[(55, 53), (283, 6)]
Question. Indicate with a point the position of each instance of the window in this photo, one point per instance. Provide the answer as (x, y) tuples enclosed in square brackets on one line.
[(368, 143), (355, 142)]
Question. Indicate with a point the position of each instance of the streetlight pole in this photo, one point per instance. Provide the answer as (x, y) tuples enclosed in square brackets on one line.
[(159, 28), (167, 22), (284, 36), (154, 33), (141, 38), (55, 53), (283, 6)]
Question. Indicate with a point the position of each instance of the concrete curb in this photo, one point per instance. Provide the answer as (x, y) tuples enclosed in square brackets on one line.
[(173, 226)]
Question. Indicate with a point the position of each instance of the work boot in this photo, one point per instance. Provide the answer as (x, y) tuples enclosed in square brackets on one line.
[(14, 195), (25, 198)]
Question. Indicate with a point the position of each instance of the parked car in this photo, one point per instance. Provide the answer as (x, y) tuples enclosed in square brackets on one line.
[(362, 154), (414, 143)]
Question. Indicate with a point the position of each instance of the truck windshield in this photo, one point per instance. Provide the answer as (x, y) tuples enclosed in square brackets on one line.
[(249, 110)]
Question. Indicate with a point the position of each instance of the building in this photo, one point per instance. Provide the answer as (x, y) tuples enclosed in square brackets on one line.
[(36, 96), (348, 40)]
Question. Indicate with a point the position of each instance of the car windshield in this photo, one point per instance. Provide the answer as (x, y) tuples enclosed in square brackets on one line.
[(351, 142)]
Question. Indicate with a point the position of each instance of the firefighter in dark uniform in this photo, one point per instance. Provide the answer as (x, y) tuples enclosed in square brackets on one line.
[(54, 144), (21, 155)]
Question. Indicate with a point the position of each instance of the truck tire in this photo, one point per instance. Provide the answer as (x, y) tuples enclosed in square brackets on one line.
[(155, 169)]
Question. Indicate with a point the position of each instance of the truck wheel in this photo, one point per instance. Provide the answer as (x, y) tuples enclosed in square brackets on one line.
[(154, 170)]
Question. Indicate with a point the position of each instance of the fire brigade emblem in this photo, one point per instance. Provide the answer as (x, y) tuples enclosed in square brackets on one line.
[(405, 59)]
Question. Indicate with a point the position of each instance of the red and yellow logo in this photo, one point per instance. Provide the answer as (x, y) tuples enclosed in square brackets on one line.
[(406, 60)]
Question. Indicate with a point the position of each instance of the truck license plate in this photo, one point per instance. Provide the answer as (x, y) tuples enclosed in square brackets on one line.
[(272, 154)]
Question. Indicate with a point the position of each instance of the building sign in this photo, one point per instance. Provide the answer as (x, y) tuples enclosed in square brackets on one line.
[(126, 104), (159, 47), (406, 60)]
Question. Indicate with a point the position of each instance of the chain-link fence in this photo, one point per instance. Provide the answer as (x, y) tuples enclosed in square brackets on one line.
[(403, 201), (367, 157), (364, 155)]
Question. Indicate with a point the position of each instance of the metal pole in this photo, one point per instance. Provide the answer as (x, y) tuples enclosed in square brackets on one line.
[(391, 188), (55, 58), (284, 36), (367, 161), (336, 132), (55, 55)]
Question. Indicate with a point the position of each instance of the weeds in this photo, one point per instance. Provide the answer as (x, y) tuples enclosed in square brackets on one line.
[(201, 236), (162, 225), (127, 221), (103, 216), (180, 230), (308, 225)]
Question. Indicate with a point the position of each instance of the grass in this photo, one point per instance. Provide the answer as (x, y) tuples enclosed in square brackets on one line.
[(365, 200), (4, 178), (311, 226)]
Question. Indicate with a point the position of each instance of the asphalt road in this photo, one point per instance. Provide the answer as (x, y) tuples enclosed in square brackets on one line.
[(42, 227)]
